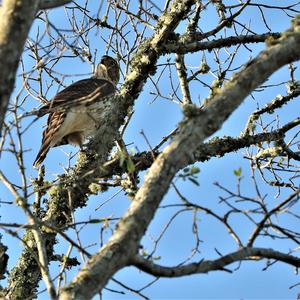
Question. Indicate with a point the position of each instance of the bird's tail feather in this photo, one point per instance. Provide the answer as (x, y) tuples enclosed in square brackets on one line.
[(41, 155)]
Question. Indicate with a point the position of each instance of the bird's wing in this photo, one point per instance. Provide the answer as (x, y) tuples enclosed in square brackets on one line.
[(83, 92)]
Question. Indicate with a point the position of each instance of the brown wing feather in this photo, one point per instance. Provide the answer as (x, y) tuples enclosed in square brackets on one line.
[(77, 90), (53, 124)]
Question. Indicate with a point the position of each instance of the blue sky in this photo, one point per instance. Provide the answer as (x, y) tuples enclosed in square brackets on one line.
[(157, 119)]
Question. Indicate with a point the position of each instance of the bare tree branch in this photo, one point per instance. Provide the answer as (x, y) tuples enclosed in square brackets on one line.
[(205, 266), (261, 224), (181, 71), (193, 42)]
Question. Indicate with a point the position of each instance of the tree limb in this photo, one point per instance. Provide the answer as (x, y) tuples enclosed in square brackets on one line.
[(205, 266), (16, 17), (189, 43)]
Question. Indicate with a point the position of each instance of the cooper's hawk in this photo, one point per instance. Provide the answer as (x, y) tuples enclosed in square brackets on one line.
[(75, 112)]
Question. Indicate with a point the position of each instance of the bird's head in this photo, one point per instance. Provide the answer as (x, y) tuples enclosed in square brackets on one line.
[(108, 68)]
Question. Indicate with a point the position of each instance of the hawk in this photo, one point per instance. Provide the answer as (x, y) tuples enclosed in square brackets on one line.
[(75, 112)]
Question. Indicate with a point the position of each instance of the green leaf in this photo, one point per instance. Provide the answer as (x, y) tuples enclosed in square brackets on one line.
[(195, 170), (238, 172)]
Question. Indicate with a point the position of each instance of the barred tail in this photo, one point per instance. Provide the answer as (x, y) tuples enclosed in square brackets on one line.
[(41, 155)]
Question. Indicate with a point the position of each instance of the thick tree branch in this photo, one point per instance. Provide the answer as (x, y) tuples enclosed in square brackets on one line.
[(16, 17), (193, 42), (195, 129), (205, 266)]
